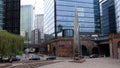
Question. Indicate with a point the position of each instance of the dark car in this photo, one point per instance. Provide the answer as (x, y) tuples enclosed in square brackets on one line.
[(34, 58), (10, 58), (51, 58), (15, 59)]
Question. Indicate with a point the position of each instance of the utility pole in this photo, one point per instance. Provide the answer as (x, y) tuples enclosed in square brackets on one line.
[(77, 48)]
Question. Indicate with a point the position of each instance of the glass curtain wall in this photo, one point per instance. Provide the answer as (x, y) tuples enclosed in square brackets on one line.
[(89, 21), (1, 14), (59, 17), (117, 12), (49, 19)]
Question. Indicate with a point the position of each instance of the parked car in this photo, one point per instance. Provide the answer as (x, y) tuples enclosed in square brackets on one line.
[(34, 57), (18, 57), (15, 59), (10, 58), (94, 56), (6, 59), (50, 57)]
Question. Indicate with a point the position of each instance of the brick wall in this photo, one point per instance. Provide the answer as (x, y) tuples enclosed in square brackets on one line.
[(64, 46)]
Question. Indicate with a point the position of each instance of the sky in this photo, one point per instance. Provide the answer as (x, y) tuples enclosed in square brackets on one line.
[(38, 5)]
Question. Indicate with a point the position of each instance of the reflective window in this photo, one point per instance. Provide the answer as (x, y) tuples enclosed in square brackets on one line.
[(81, 9), (87, 29), (65, 13), (71, 3), (90, 25), (1, 14), (86, 19)]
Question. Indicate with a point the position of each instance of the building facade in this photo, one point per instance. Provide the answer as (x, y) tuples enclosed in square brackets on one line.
[(108, 21), (1, 14), (36, 36), (11, 16), (26, 21), (59, 17), (117, 11), (114, 43), (39, 24), (63, 47)]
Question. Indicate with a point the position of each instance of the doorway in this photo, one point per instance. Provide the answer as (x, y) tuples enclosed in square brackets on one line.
[(95, 50), (84, 50), (104, 50)]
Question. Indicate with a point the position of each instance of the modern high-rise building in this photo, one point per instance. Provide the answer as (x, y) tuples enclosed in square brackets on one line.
[(37, 33), (108, 21), (26, 21), (36, 36), (1, 14), (39, 23), (59, 17), (11, 16), (117, 12)]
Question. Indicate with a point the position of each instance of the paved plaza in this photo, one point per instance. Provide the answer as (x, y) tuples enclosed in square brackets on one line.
[(65, 63), (89, 63)]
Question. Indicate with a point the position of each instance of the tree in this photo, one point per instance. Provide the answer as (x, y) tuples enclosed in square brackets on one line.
[(10, 44)]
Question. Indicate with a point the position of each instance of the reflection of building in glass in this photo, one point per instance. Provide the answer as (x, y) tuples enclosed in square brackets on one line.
[(1, 14), (117, 11), (108, 23), (11, 15), (59, 17), (26, 20)]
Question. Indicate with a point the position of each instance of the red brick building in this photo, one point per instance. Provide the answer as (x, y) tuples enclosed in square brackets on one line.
[(114, 45), (64, 46)]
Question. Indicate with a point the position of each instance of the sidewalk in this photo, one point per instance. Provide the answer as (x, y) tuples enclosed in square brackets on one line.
[(89, 63), (3, 65)]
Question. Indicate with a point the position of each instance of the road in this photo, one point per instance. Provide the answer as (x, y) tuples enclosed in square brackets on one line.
[(89, 63)]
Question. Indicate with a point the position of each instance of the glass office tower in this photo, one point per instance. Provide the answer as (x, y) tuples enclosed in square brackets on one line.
[(11, 16), (59, 17), (108, 21), (26, 20), (117, 12), (1, 14)]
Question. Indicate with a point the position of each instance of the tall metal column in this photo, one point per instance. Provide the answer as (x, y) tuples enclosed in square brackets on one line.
[(77, 48)]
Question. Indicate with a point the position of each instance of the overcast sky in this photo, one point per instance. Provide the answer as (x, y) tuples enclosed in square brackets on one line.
[(38, 5)]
